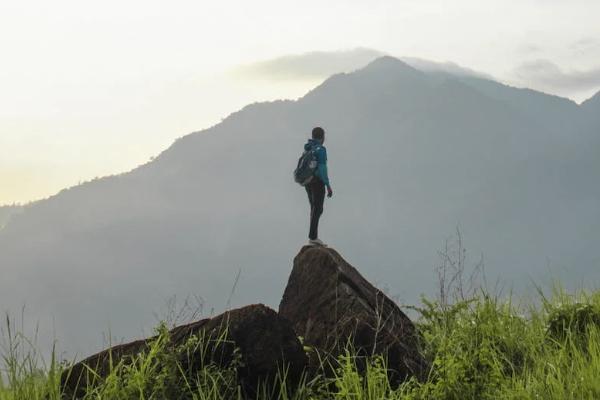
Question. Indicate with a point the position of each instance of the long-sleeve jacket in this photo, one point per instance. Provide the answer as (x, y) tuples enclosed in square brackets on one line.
[(321, 153)]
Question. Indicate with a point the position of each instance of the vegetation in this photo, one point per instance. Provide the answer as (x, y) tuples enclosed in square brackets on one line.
[(481, 347)]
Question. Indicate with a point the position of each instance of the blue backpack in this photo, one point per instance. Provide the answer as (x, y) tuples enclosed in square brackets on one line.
[(307, 165)]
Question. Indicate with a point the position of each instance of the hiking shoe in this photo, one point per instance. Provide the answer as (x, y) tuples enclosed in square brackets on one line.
[(316, 242)]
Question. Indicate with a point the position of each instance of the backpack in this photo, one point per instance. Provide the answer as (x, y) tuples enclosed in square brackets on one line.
[(307, 165)]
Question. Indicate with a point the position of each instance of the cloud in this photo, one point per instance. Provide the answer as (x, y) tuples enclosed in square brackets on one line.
[(585, 44), (448, 67), (528, 48), (312, 65), (322, 64), (549, 76)]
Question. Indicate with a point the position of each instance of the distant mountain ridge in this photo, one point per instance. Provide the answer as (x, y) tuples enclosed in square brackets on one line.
[(593, 101), (412, 155), (6, 212)]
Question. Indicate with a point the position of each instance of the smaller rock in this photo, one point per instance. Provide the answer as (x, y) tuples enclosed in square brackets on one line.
[(266, 342)]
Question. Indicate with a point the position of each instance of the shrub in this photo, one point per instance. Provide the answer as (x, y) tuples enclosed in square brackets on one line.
[(572, 319)]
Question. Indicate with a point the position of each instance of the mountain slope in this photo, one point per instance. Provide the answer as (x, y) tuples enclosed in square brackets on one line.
[(412, 154), (591, 108), (6, 212)]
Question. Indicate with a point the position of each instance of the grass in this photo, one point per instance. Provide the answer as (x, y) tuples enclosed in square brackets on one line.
[(482, 347)]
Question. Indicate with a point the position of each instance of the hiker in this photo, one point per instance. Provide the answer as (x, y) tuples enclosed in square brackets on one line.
[(315, 187)]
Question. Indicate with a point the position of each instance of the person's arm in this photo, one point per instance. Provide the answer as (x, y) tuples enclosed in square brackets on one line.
[(322, 169)]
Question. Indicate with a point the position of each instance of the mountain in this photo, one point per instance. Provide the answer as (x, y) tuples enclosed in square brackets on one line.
[(413, 154), (6, 212), (593, 103), (591, 108)]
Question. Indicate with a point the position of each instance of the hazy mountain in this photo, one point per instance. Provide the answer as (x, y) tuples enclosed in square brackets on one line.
[(591, 107), (6, 212), (412, 155)]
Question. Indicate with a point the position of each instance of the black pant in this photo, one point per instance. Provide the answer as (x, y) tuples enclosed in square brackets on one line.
[(316, 196)]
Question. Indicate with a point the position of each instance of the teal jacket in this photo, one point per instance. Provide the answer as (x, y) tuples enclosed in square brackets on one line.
[(321, 152)]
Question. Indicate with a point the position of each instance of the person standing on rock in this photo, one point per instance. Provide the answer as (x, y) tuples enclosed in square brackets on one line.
[(317, 183)]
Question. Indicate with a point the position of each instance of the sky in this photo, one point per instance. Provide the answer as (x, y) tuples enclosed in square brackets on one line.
[(90, 89)]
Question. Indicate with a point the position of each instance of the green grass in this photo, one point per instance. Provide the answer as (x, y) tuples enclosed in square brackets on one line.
[(479, 348)]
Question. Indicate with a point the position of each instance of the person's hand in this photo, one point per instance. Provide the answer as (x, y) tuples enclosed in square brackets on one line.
[(329, 191)]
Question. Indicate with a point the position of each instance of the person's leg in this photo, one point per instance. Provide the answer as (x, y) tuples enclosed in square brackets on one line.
[(309, 192), (310, 196), (318, 198)]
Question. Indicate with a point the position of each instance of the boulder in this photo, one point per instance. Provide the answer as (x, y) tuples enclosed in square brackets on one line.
[(329, 303), (254, 339)]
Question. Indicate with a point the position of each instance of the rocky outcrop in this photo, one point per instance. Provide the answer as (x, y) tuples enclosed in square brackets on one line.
[(263, 340), (329, 303), (326, 302)]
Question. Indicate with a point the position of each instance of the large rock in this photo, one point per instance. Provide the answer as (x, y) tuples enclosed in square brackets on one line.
[(264, 340), (329, 302)]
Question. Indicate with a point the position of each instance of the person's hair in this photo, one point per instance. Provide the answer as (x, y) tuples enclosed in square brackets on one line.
[(318, 133)]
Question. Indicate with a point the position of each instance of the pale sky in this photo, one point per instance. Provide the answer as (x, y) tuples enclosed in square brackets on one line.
[(95, 88)]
